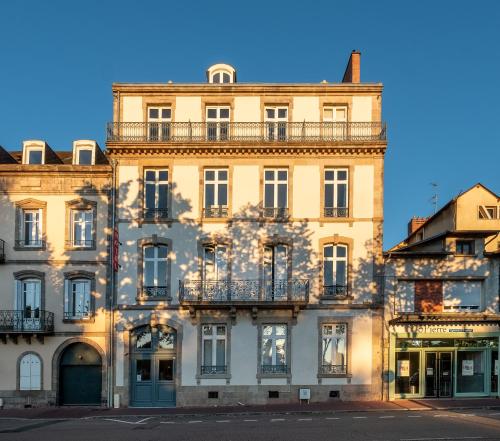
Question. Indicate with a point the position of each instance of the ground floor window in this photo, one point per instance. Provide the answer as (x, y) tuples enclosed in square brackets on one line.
[(407, 372), (470, 371)]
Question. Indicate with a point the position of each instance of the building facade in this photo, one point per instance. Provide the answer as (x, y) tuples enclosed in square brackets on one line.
[(249, 219), (442, 289), (54, 324)]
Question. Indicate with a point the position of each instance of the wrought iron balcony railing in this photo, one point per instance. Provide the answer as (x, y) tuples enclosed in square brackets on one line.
[(79, 243), (275, 212), (339, 291), (244, 291), (213, 132), (213, 370), (26, 321), (336, 212), (77, 315), (2, 250), (334, 369), (155, 213), (155, 291), (31, 243), (274, 369), (215, 211)]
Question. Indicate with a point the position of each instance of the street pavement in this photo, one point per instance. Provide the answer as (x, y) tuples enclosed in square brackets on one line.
[(389, 425)]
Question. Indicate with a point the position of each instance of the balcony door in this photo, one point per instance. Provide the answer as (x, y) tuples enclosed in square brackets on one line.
[(217, 123), (159, 121), (276, 122), (215, 272), (276, 272), (335, 119), (28, 302)]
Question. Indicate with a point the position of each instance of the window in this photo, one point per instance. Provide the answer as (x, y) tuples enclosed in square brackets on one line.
[(465, 247), (30, 372), (335, 270), (34, 156), (214, 349), (462, 295), (334, 348), (276, 119), (336, 193), (276, 193), (31, 228), (221, 77), (156, 194), (159, 123), (82, 228), (217, 123), (85, 156), (428, 296), (274, 351), (27, 305), (155, 271), (144, 339), (216, 188), (215, 265), (221, 74), (276, 272), (78, 302), (488, 212), (335, 122)]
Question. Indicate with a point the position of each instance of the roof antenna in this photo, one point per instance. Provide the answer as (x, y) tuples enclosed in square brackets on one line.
[(434, 198)]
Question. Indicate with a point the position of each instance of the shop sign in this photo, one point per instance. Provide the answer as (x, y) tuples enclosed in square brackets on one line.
[(467, 368), (433, 329), (403, 368)]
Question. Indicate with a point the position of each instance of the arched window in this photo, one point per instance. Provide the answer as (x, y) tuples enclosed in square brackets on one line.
[(149, 339), (335, 270), (221, 74), (30, 372)]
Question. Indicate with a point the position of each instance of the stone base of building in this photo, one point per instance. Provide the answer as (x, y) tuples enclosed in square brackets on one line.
[(26, 399)]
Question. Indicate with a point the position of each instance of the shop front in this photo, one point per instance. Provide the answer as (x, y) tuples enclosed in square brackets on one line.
[(428, 361)]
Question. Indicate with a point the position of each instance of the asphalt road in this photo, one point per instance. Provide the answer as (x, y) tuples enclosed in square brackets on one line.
[(481, 425)]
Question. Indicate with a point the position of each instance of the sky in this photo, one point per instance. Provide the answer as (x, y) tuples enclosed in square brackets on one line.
[(439, 62)]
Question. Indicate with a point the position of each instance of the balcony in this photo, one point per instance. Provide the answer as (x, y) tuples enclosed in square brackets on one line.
[(155, 213), (213, 370), (246, 132), (274, 369), (25, 322), (336, 212), (154, 293), (333, 369), (279, 213), (253, 294), (2, 251), (217, 211), (335, 292)]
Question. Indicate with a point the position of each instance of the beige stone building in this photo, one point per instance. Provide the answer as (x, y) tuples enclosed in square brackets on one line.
[(250, 225), (54, 328), (442, 289)]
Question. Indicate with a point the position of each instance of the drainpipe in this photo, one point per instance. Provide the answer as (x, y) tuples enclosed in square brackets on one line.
[(112, 288)]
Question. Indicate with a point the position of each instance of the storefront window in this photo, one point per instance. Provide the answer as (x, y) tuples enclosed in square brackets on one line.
[(470, 371), (407, 372), (494, 371)]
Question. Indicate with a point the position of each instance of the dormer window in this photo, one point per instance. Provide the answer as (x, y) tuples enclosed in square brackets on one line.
[(85, 157), (221, 74), (35, 156), (84, 152)]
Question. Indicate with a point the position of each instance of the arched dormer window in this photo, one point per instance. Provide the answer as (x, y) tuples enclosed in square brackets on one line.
[(221, 74)]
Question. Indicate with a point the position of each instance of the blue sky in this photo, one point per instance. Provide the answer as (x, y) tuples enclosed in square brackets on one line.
[(439, 62)]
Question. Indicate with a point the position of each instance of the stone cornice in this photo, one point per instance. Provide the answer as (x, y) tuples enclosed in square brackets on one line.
[(55, 170)]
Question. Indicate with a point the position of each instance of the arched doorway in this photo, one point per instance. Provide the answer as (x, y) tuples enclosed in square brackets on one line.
[(153, 366), (80, 376)]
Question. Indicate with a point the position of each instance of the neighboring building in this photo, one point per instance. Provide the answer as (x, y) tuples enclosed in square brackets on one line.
[(53, 274), (442, 302), (250, 221)]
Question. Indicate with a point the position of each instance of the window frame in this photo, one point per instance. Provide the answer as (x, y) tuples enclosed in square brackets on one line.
[(79, 149), (276, 123), (159, 213), (162, 124), (78, 277), (214, 338), (222, 124), (27, 152), (334, 212), (335, 260), (29, 205), (348, 321), (459, 244), (261, 373), (222, 211), (141, 244), (213, 321), (275, 212), (80, 205)]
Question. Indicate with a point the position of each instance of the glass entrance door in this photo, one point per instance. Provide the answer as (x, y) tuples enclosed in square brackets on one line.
[(438, 374)]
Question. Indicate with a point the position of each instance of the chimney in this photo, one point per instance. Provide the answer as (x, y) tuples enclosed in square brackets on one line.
[(415, 223), (352, 72)]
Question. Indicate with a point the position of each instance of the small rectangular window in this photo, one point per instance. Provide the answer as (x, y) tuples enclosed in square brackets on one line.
[(465, 247), (35, 156), (84, 157)]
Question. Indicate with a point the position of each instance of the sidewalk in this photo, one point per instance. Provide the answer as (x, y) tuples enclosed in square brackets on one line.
[(327, 407)]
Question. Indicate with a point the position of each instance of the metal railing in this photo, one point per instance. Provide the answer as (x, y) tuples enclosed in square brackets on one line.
[(275, 212), (28, 320), (77, 315), (32, 243), (246, 291), (155, 291), (215, 211), (336, 212), (282, 132), (274, 368), (340, 369), (155, 213), (340, 291), (2, 250), (213, 370), (78, 243)]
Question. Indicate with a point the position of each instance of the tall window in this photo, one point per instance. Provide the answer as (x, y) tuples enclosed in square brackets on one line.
[(333, 348), (276, 272), (155, 279), (215, 262), (335, 119), (217, 123), (28, 301), (30, 372), (216, 186), (275, 193), (335, 270), (214, 349), (159, 122), (155, 194), (276, 119), (31, 228), (81, 228), (78, 303), (336, 193), (274, 357)]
